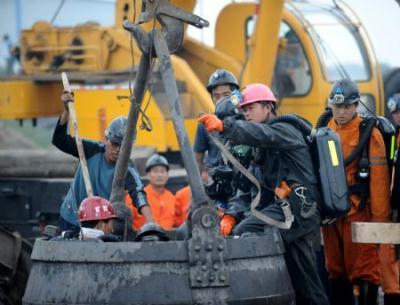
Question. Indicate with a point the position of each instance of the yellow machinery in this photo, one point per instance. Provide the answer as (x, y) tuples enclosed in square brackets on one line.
[(299, 48)]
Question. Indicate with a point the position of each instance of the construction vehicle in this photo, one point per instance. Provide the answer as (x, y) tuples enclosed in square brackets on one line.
[(298, 47)]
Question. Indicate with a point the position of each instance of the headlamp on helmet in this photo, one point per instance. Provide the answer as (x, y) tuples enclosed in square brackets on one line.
[(344, 91), (337, 99), (393, 103), (228, 106), (222, 77)]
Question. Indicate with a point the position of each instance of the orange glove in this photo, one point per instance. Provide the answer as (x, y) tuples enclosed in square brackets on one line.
[(283, 190), (212, 123), (228, 222)]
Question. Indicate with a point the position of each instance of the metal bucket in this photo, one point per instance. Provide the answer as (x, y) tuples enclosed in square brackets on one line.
[(249, 270)]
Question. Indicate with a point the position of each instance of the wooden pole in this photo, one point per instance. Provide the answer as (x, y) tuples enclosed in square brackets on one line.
[(375, 232), (79, 145)]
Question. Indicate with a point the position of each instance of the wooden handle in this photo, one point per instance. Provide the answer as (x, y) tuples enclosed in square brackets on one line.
[(375, 232), (79, 145), (81, 152)]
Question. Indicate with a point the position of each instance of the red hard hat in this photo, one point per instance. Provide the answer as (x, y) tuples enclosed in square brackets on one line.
[(257, 93), (96, 208)]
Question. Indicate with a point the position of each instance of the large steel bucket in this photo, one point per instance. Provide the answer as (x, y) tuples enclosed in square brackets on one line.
[(250, 270)]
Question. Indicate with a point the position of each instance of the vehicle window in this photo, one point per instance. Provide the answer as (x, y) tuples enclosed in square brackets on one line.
[(338, 43), (292, 71)]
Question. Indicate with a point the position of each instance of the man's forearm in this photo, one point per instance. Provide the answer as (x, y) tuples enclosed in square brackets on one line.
[(146, 212), (199, 159)]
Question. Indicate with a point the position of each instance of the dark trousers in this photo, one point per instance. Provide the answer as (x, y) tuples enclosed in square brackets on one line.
[(300, 256)]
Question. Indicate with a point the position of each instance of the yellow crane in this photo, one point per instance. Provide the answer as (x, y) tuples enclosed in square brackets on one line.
[(297, 47)]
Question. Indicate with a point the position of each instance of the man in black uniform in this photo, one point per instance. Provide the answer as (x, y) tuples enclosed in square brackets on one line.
[(220, 84), (284, 168)]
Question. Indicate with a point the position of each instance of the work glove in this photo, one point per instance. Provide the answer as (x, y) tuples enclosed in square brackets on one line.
[(228, 222), (283, 190), (211, 123), (67, 97)]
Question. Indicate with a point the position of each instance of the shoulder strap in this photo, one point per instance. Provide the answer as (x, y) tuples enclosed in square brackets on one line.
[(285, 206), (365, 135), (324, 118), (363, 172)]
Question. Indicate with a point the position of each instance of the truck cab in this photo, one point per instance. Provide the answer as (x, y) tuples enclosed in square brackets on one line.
[(316, 44)]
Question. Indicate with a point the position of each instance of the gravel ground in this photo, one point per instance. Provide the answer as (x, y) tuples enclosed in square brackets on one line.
[(10, 138)]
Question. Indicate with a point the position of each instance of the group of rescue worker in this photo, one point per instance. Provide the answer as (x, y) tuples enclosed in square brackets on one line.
[(153, 203), (280, 158), (283, 165)]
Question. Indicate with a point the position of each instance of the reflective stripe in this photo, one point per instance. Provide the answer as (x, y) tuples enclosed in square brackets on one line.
[(392, 147), (379, 163), (378, 158), (333, 153)]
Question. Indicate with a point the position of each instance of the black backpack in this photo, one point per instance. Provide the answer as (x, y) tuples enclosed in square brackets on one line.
[(328, 163)]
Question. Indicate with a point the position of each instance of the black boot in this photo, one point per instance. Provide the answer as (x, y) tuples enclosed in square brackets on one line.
[(391, 299), (368, 293), (342, 292)]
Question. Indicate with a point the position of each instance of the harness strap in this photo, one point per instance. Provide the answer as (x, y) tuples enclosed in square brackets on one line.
[(361, 189), (363, 173), (287, 212)]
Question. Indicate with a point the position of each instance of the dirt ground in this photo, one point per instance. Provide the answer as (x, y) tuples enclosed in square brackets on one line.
[(10, 139)]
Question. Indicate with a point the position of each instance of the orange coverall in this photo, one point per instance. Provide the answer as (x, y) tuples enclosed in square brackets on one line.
[(183, 200), (345, 259), (397, 139), (162, 207)]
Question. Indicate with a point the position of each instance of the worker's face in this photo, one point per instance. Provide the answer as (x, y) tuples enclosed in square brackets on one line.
[(396, 117), (112, 151), (344, 113), (158, 176), (219, 92), (105, 226), (257, 112)]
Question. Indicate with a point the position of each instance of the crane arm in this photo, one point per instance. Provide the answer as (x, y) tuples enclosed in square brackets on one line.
[(267, 17)]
